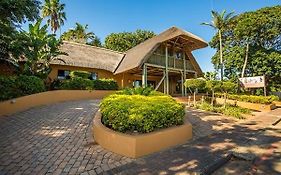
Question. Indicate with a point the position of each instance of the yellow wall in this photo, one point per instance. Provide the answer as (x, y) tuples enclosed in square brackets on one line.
[(49, 97), (123, 80)]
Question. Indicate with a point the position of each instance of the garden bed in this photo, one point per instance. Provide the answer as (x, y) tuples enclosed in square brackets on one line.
[(138, 145), (248, 105)]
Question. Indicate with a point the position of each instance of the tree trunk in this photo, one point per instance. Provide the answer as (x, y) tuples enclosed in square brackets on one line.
[(221, 61), (224, 104), (246, 60), (194, 98), (213, 96)]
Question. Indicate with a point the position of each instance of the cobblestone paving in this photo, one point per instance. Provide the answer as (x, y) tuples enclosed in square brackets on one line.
[(53, 139)]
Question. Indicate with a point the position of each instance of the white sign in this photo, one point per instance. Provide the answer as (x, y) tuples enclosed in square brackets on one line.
[(252, 82)]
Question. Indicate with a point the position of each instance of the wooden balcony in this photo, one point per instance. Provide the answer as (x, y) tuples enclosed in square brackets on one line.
[(173, 62)]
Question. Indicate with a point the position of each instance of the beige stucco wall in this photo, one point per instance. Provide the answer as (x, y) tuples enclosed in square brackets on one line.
[(49, 97), (139, 145)]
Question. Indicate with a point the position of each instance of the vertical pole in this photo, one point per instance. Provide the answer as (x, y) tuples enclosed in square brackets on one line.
[(184, 71), (166, 69), (144, 76), (264, 86), (182, 85), (164, 82)]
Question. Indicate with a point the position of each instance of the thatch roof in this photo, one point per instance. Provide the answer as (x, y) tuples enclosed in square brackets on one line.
[(137, 55), (82, 55)]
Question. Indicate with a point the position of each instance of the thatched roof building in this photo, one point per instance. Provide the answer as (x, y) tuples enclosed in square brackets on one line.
[(137, 55), (82, 55)]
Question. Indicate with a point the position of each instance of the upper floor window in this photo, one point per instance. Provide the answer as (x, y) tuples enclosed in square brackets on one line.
[(179, 55), (63, 74)]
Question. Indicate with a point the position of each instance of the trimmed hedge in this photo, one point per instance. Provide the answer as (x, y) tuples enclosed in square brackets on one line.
[(129, 113), (78, 83), (80, 74), (105, 84), (147, 91), (17, 86), (250, 98)]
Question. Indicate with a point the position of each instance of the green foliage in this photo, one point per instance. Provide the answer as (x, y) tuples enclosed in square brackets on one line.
[(39, 49), (251, 98), (54, 11), (261, 30), (81, 74), (136, 91), (213, 85), (228, 86), (17, 86), (77, 83), (80, 35), (194, 84), (228, 110), (105, 84), (210, 75), (128, 113), (126, 40), (13, 14)]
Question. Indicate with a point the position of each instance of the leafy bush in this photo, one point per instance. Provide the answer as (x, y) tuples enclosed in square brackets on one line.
[(251, 98), (128, 113), (81, 74), (77, 84), (228, 110), (146, 91), (16, 86), (105, 84)]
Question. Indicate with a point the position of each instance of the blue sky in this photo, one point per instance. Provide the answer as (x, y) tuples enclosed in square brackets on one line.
[(107, 16)]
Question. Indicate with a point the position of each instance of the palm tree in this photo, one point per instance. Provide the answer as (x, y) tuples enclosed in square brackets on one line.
[(219, 22), (54, 11), (79, 34)]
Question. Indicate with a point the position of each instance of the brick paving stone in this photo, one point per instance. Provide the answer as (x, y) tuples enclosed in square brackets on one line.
[(51, 139)]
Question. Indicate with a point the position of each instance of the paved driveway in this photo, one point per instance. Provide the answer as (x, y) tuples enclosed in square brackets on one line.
[(56, 139), (53, 139)]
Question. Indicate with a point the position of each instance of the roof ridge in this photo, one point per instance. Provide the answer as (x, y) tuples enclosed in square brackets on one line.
[(86, 45)]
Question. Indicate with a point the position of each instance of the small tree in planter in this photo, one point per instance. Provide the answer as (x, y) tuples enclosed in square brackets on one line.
[(194, 84), (226, 87), (213, 85)]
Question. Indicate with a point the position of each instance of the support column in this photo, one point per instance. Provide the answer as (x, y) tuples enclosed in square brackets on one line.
[(144, 76), (184, 72), (166, 70), (182, 85)]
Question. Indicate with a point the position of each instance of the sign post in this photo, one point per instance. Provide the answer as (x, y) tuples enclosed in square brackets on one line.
[(253, 82)]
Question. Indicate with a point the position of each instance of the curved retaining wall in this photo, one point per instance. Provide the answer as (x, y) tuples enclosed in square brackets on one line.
[(135, 146), (22, 103)]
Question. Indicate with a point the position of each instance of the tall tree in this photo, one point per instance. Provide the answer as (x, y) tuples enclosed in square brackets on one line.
[(13, 14), (79, 34), (40, 48), (220, 21), (54, 11), (260, 31), (126, 40)]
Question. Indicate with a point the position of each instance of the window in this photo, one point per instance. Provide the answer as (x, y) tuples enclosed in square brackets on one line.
[(63, 74), (179, 55), (93, 76)]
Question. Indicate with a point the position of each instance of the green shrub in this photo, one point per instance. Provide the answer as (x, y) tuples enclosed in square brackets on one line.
[(105, 84), (251, 98), (146, 91), (77, 84), (128, 113), (17, 86), (80, 74), (228, 110)]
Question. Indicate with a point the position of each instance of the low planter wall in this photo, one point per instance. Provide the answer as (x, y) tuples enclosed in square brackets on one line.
[(49, 97), (135, 146), (277, 103), (248, 105)]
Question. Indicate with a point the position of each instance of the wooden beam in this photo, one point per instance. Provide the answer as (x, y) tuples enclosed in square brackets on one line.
[(184, 71), (162, 79), (166, 69)]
